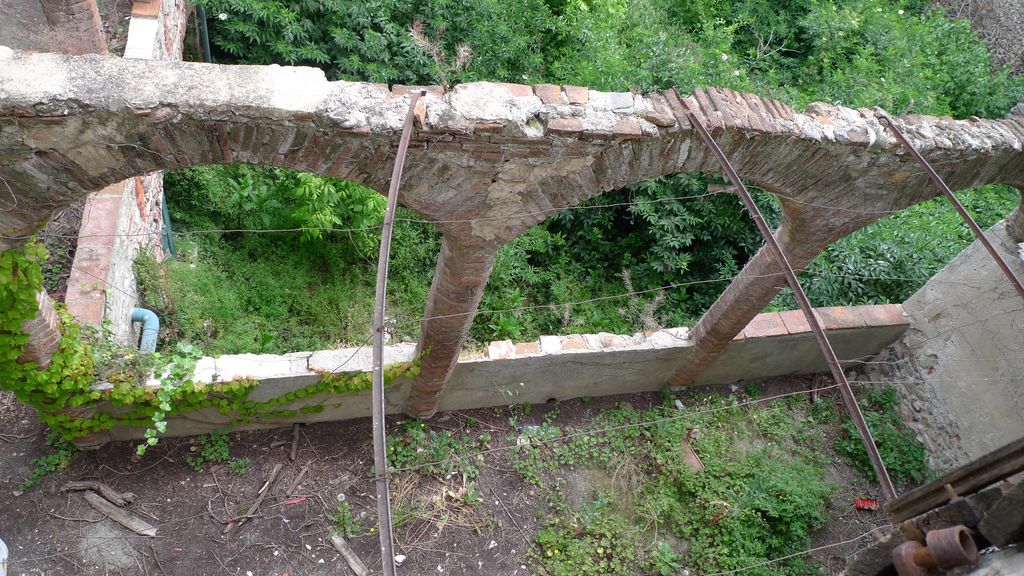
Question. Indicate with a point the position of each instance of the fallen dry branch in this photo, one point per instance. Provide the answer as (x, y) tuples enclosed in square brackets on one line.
[(295, 443), (349, 555), (297, 481), (259, 500), (120, 499), (129, 521)]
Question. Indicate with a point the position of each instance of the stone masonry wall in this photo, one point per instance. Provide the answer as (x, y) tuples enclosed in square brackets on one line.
[(487, 161), (960, 367)]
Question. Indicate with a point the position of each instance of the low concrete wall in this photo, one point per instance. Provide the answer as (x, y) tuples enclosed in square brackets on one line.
[(960, 365), (555, 367)]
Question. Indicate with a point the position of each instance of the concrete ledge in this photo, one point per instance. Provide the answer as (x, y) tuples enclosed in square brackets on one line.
[(555, 367)]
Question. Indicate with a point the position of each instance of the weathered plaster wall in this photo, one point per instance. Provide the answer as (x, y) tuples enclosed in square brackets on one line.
[(139, 225), (554, 367), (960, 365)]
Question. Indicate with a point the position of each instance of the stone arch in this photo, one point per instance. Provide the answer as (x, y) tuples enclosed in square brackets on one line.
[(485, 161)]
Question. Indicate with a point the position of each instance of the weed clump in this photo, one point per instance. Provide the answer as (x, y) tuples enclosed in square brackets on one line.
[(903, 455)]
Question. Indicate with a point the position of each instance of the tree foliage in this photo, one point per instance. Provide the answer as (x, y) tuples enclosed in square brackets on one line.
[(904, 56)]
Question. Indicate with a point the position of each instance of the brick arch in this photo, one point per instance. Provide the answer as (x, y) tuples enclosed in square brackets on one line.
[(484, 159)]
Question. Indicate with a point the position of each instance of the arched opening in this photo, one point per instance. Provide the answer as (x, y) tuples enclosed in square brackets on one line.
[(652, 254), (889, 260), (270, 260)]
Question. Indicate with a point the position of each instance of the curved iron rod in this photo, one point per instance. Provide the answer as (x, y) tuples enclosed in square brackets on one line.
[(380, 455)]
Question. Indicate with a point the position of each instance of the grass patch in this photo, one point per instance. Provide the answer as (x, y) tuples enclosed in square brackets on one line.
[(624, 502), (345, 523), (254, 293)]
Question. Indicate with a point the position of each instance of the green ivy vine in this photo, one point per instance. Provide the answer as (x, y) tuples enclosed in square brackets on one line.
[(66, 383), (70, 402)]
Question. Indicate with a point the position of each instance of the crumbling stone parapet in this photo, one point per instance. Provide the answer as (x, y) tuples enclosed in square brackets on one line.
[(487, 161)]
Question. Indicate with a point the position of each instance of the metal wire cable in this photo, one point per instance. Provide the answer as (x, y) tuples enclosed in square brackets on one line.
[(552, 210), (802, 553)]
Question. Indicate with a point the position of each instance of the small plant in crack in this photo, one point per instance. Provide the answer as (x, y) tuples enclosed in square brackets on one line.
[(345, 523), (212, 448)]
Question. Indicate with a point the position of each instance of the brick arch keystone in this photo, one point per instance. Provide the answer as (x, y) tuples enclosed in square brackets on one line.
[(487, 160)]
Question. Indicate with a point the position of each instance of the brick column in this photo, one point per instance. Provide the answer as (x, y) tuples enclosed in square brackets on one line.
[(43, 333), (802, 237), (459, 282), (44, 328), (77, 24)]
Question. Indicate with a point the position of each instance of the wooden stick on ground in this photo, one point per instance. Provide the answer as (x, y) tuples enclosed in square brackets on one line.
[(349, 555), (121, 499), (295, 443), (118, 515), (259, 500), (298, 479)]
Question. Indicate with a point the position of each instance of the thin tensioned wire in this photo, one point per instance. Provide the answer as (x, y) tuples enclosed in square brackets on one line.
[(658, 289), (801, 553), (552, 210)]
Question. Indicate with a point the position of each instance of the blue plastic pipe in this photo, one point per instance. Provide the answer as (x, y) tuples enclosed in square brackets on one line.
[(150, 328)]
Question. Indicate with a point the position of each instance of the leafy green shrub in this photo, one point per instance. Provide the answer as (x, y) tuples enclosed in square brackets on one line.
[(242, 196), (354, 40), (889, 260), (904, 457), (873, 52)]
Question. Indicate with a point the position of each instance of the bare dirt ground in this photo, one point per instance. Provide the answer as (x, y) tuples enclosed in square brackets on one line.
[(54, 533), (115, 15), (23, 26)]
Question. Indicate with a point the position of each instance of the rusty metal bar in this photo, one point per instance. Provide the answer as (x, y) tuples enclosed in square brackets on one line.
[(819, 332), (997, 465), (380, 455), (978, 233)]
